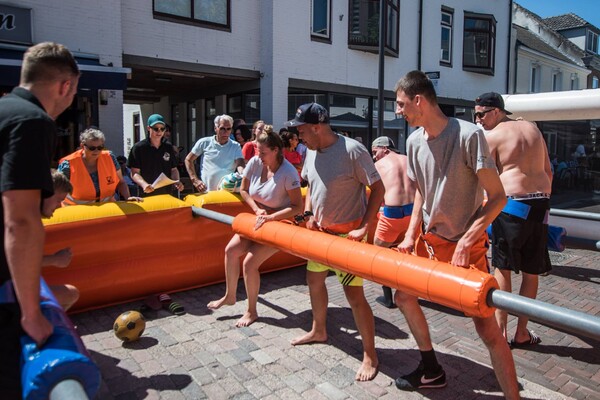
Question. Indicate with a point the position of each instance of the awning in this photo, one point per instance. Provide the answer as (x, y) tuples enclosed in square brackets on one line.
[(93, 74)]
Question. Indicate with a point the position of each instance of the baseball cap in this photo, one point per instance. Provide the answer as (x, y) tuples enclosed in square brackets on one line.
[(384, 141), (491, 99), (309, 113), (156, 119)]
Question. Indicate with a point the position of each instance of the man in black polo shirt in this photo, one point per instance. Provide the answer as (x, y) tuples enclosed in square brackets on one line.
[(151, 157), (49, 78)]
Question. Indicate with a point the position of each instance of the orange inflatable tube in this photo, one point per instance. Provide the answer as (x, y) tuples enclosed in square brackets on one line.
[(463, 289), (125, 251)]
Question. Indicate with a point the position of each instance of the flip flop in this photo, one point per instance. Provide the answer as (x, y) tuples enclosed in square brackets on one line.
[(533, 340), (153, 303), (168, 304)]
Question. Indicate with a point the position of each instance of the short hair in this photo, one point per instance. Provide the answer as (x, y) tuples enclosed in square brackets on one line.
[(91, 134), (416, 83), (48, 61), (225, 117), (272, 140), (60, 182)]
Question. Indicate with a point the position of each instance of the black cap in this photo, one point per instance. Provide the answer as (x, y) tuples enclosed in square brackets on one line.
[(491, 99), (310, 113)]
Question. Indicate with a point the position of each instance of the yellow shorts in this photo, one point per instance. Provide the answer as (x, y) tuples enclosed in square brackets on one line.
[(345, 278)]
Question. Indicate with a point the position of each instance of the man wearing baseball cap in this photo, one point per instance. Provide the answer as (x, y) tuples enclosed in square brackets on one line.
[(338, 170), (152, 156), (394, 216), (519, 233)]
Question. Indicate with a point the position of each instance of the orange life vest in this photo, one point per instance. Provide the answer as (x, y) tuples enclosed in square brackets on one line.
[(83, 187)]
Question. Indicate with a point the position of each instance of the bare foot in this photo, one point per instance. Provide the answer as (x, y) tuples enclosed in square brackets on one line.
[(310, 337), (367, 371), (247, 319), (223, 301)]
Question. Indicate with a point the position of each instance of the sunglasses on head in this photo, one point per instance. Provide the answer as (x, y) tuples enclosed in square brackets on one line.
[(161, 129), (94, 148), (480, 114)]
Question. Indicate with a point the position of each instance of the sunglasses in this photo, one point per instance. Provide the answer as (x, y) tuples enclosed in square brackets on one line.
[(155, 129), (480, 114), (222, 128), (94, 148)]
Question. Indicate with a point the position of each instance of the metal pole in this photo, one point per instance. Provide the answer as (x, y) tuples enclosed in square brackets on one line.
[(558, 317), (69, 389), (555, 316), (219, 217), (575, 214), (381, 83)]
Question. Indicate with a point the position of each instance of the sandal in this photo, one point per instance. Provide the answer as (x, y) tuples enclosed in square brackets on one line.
[(168, 304), (533, 340)]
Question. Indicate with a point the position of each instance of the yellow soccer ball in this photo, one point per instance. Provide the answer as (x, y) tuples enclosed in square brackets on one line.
[(129, 326)]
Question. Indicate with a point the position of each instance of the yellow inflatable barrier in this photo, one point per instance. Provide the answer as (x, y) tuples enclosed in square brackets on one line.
[(124, 251)]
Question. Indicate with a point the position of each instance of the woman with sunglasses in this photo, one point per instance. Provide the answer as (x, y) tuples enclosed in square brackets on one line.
[(94, 172)]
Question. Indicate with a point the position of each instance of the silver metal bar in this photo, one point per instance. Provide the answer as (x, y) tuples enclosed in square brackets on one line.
[(549, 314), (69, 389), (217, 216), (575, 214)]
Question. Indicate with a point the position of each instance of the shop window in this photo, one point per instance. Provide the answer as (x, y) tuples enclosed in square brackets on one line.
[(446, 37), (479, 43), (321, 20), (574, 82), (208, 13), (592, 42), (363, 26)]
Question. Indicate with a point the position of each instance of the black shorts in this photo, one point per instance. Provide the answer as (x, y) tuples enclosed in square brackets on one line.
[(10, 349), (522, 245)]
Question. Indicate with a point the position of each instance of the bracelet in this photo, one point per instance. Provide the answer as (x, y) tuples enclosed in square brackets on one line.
[(307, 214)]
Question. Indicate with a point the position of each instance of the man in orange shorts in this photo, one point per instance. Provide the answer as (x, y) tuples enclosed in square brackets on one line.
[(394, 216), (450, 162)]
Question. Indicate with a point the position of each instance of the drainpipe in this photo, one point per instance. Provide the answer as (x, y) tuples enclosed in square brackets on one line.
[(420, 34), (509, 47)]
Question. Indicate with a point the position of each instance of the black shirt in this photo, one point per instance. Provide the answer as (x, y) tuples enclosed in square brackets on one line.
[(27, 139), (153, 161)]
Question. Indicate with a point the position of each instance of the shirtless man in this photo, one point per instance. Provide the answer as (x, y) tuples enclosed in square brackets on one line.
[(520, 231), (338, 170), (398, 200)]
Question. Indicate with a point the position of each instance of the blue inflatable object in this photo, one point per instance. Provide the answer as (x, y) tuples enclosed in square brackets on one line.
[(62, 357), (556, 235)]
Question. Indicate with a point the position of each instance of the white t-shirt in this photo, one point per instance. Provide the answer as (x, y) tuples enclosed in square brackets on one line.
[(273, 193), (218, 160)]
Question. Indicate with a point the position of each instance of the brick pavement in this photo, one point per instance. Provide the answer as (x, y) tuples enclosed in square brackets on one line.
[(202, 355)]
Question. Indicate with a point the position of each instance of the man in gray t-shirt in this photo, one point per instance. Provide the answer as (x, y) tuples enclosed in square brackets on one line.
[(450, 162), (338, 171)]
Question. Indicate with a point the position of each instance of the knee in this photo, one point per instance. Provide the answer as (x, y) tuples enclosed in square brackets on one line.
[(404, 300), (489, 331)]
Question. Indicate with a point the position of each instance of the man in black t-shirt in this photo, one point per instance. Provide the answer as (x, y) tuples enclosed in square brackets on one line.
[(49, 78), (151, 157)]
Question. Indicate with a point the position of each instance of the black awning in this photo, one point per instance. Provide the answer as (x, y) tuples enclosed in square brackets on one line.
[(93, 74)]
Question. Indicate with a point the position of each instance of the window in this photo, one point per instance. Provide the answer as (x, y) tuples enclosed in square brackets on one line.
[(556, 81), (534, 81), (574, 82), (208, 13), (321, 20), (446, 48), (363, 26), (479, 43), (592, 42), (595, 82)]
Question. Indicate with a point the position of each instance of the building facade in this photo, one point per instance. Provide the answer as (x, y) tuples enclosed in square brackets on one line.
[(191, 60)]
